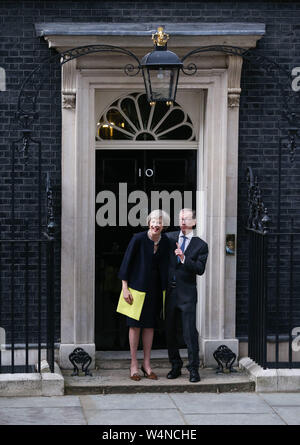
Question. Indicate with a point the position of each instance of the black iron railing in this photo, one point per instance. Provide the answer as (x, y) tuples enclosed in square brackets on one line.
[(26, 304), (283, 303), (27, 273), (274, 288), (257, 331), (274, 299)]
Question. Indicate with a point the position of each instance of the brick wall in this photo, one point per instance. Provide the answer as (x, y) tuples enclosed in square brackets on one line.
[(21, 51)]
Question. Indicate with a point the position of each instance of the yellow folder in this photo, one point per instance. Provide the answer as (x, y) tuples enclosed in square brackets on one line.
[(132, 310)]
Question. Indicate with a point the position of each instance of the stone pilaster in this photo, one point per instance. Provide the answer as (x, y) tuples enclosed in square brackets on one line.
[(74, 319)]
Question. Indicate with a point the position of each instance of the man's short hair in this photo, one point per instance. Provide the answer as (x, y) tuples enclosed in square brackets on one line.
[(193, 212)]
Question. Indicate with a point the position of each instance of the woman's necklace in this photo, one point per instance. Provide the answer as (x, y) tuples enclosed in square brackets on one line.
[(155, 242)]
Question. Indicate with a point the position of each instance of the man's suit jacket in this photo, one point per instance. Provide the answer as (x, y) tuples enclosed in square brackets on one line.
[(185, 274)]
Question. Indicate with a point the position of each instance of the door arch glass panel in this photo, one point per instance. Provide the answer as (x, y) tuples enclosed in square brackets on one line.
[(132, 118)]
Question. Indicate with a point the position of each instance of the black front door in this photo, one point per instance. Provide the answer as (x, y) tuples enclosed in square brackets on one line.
[(118, 174)]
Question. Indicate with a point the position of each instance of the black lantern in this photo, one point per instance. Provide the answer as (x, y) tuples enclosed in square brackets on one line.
[(161, 70)]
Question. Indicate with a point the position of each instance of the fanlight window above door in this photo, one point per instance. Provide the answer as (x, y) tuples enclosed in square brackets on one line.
[(132, 118)]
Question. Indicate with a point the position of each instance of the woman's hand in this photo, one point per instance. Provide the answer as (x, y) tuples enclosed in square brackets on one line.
[(127, 296)]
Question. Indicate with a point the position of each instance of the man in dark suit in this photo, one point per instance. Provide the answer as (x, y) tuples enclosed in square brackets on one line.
[(188, 255)]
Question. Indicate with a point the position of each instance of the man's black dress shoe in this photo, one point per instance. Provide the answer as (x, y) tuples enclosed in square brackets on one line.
[(174, 373), (194, 376)]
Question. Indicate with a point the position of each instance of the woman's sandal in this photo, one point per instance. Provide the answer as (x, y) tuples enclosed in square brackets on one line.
[(151, 376), (136, 377)]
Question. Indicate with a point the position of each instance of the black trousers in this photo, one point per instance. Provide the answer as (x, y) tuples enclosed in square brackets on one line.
[(187, 312)]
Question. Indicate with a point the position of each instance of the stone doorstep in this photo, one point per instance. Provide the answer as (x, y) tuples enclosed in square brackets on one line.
[(116, 381), (271, 380), (121, 359), (112, 376), (45, 383)]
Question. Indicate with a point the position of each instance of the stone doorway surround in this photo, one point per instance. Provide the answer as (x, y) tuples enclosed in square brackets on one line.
[(218, 77)]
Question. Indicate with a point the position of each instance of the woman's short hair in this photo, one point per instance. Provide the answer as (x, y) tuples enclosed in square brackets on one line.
[(159, 214)]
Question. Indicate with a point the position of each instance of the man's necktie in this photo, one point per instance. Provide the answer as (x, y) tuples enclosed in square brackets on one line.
[(182, 246)]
